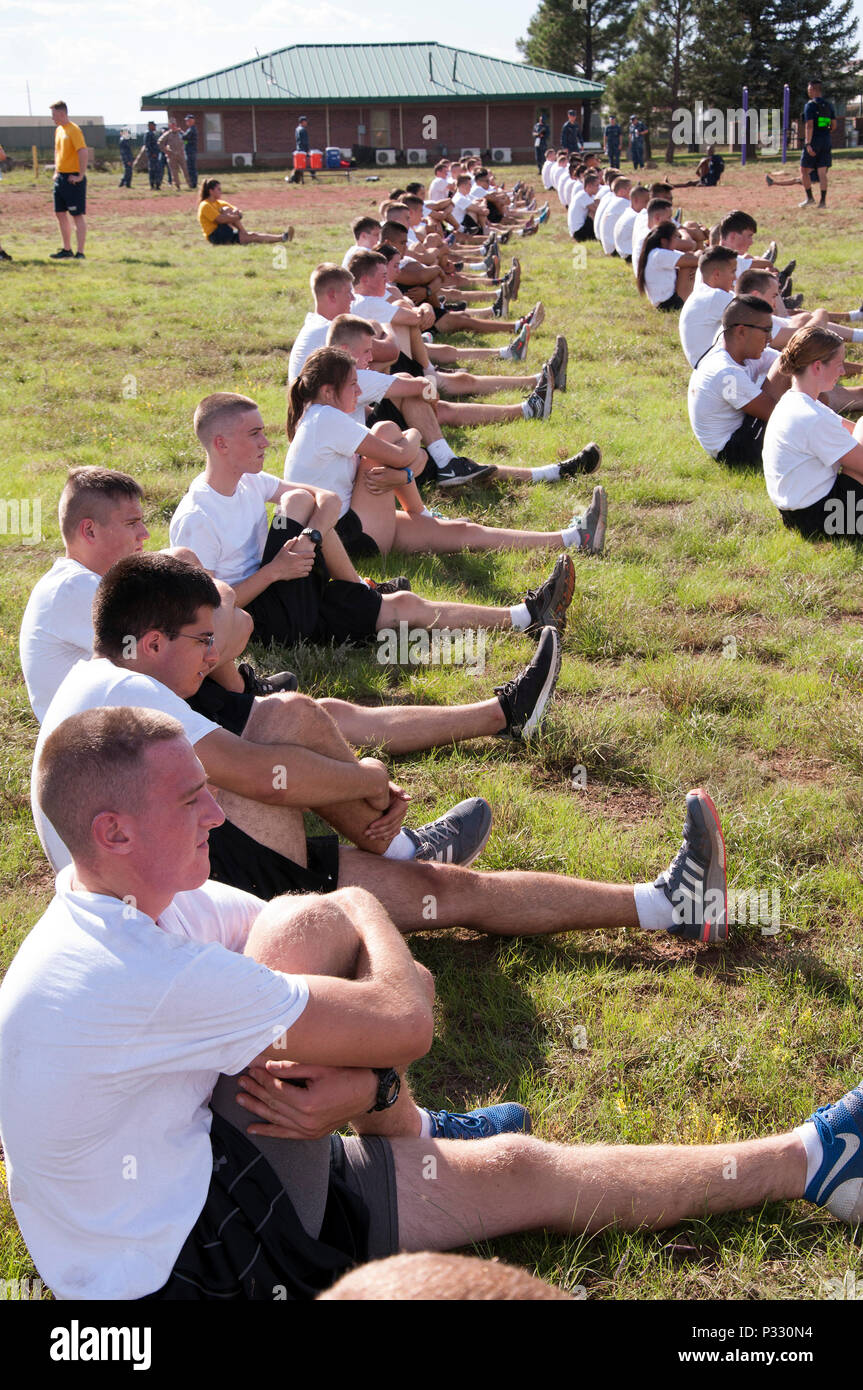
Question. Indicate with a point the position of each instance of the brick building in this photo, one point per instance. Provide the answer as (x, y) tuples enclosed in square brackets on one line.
[(414, 101)]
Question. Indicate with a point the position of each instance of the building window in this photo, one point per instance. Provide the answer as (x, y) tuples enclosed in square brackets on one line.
[(213, 132), (380, 127)]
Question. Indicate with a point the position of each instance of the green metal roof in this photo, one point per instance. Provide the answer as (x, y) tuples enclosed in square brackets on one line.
[(318, 74)]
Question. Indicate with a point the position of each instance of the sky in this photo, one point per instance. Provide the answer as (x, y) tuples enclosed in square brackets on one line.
[(101, 56)]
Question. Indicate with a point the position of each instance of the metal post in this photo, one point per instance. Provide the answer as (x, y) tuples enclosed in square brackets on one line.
[(745, 125), (786, 114)]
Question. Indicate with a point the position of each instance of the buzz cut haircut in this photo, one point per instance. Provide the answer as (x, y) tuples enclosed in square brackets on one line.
[(91, 492), (327, 276), (362, 225), (346, 328), (363, 263), (216, 411)]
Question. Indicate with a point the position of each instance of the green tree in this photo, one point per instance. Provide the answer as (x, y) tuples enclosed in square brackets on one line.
[(654, 79), (587, 37)]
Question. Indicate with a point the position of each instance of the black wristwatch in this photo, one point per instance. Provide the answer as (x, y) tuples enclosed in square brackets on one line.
[(389, 1085), (314, 536)]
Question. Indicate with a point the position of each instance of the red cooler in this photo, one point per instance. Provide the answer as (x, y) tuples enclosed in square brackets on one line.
[(316, 159), (300, 159)]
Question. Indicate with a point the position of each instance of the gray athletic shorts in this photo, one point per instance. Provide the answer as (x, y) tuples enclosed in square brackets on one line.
[(303, 1168)]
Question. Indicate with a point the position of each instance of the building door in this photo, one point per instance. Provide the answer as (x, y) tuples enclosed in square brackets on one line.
[(379, 125)]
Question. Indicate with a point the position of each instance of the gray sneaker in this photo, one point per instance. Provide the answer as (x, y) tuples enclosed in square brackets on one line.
[(694, 882), (591, 525), (548, 604), (459, 837), (538, 404), (558, 362)]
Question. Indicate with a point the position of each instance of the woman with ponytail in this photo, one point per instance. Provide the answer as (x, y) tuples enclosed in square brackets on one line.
[(813, 459), (666, 270), (371, 469)]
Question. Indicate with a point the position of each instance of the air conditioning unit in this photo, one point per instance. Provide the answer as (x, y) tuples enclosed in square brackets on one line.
[(502, 155), (242, 161), (469, 154), (385, 156), (418, 156)]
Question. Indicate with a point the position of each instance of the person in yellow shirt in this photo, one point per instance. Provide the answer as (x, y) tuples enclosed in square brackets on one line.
[(70, 183), (222, 223)]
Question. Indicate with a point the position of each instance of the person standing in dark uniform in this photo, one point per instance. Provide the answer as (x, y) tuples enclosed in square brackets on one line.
[(540, 140), (637, 130), (570, 135), (819, 122), (611, 135), (154, 156), (301, 140), (127, 158), (190, 144)]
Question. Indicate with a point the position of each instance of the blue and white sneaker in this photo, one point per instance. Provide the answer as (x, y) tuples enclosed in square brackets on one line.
[(480, 1124), (459, 837), (838, 1184), (694, 881)]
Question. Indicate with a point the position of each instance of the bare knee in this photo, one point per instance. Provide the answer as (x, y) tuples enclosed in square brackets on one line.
[(284, 717), (312, 934), (244, 626), (389, 432), (182, 552)]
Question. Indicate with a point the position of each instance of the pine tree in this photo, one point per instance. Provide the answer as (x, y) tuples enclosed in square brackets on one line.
[(587, 37), (654, 79)]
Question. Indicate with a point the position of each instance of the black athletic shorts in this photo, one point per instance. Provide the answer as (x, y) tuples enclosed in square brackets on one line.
[(248, 1242), (839, 515), (350, 531), (494, 213), (821, 159), (403, 363), (671, 304), (241, 862), (469, 225), (385, 409), (70, 197), (585, 231), (223, 235), (745, 444), (316, 608), (229, 708)]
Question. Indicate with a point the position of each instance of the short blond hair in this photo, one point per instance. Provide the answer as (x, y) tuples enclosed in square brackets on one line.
[(214, 413)]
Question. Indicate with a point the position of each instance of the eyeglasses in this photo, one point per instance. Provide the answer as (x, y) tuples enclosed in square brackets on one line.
[(207, 640)]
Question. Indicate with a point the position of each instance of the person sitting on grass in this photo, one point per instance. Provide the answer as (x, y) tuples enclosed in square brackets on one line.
[(734, 388), (813, 459), (666, 267), (318, 989), (222, 223), (708, 171), (701, 316), (371, 471), (582, 206)]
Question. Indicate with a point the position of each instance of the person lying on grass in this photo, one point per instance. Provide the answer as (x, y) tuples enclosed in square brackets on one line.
[(373, 470), (222, 223)]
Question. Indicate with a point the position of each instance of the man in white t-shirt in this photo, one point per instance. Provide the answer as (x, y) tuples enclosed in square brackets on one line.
[(701, 316), (733, 390), (582, 206), (639, 197), (221, 985), (101, 520), (612, 210), (765, 284), (332, 289), (366, 232)]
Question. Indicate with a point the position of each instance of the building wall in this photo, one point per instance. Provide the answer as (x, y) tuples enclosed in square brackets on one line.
[(457, 126)]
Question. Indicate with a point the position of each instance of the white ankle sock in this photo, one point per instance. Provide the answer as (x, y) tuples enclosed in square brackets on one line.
[(808, 1134), (857, 335), (549, 474), (856, 315), (440, 452), (402, 847), (520, 617), (655, 912), (572, 536)]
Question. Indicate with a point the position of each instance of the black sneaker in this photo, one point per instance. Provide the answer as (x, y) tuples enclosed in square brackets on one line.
[(79, 256), (504, 238), (399, 585), (788, 271), (558, 362), (499, 304), (459, 837), (266, 685), (793, 303), (694, 881), (460, 472), (454, 306), (523, 700), (547, 605), (771, 253), (538, 403), (587, 460), (786, 289), (62, 255), (768, 180), (4, 255)]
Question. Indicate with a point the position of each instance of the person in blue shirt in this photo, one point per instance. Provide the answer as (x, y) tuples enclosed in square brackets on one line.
[(301, 140), (540, 140), (190, 144), (570, 135), (819, 119), (611, 136), (154, 156), (127, 158)]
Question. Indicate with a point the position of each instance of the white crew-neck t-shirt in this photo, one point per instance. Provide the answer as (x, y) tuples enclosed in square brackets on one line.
[(578, 210), (323, 451), (803, 443), (57, 629), (660, 274), (612, 211), (374, 308), (623, 232), (701, 319), (228, 534), (114, 1029), (94, 685), (719, 388), (313, 334)]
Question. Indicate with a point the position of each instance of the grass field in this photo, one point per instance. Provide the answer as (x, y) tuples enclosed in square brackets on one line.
[(708, 646)]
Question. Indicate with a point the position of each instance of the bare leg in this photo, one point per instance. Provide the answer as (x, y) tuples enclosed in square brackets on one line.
[(462, 321), (515, 1183), (511, 903), (430, 613), (445, 354), (466, 384), (64, 222), (410, 728), (464, 413), (80, 232), (685, 281), (413, 534), (265, 237)]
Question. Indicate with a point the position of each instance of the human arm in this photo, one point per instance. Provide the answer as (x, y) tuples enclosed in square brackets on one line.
[(399, 455), (287, 774), (328, 1098), (423, 317)]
